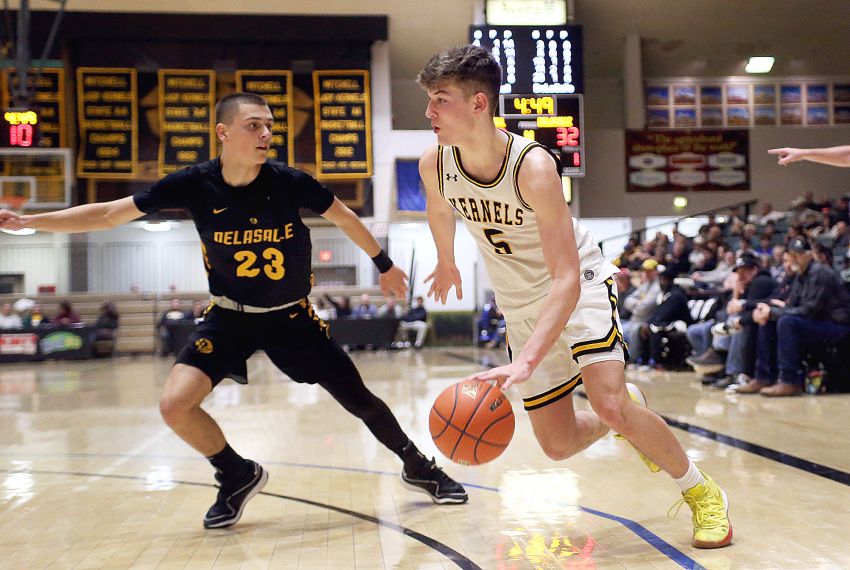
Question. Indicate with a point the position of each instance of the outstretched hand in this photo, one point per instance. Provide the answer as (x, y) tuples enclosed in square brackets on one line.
[(10, 220), (505, 376), (788, 155), (443, 278), (394, 281)]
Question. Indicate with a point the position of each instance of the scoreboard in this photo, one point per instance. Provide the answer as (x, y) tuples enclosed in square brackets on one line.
[(542, 86), (555, 121)]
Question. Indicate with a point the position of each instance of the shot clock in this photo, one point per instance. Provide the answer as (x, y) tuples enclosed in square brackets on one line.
[(19, 128)]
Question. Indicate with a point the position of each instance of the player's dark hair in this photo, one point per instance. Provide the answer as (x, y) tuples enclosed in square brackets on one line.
[(472, 68), (229, 104)]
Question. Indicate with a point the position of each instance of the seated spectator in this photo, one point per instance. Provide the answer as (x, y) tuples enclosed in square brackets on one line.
[(390, 309), (324, 310), (105, 329), (765, 246), (415, 319), (816, 312), (701, 258), (199, 308), (841, 209), (840, 234), (715, 278), (641, 303), (366, 309), (767, 215), (672, 307), (34, 317), (623, 279), (66, 315), (678, 258), (175, 314), (845, 273), (9, 319), (342, 308), (488, 322), (736, 335)]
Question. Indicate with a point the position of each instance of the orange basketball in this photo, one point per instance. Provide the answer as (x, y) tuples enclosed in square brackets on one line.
[(472, 422)]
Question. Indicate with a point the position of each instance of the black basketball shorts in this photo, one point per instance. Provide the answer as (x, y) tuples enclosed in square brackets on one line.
[(295, 340)]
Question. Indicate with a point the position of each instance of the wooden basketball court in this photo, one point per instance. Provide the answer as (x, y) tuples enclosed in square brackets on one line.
[(92, 478)]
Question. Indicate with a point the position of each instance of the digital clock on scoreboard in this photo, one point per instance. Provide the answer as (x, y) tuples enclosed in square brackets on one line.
[(554, 121)]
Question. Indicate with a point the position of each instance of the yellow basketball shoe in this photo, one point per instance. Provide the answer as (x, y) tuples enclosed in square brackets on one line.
[(710, 507), (638, 397)]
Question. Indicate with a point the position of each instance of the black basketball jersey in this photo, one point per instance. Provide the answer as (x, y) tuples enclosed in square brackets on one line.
[(256, 249)]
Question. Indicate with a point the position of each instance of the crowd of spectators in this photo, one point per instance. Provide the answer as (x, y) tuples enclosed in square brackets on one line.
[(779, 282), (413, 320)]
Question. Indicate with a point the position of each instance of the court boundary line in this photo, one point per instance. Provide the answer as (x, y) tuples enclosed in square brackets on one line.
[(459, 559)]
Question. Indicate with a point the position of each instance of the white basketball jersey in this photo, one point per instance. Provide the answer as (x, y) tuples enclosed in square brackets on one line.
[(505, 228)]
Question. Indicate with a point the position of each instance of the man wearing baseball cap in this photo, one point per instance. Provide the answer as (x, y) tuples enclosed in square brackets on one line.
[(817, 312)]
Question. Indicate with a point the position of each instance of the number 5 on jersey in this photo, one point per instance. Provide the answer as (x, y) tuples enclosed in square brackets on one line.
[(502, 247), (273, 269)]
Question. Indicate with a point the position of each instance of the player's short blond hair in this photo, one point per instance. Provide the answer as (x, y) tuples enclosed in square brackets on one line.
[(473, 69)]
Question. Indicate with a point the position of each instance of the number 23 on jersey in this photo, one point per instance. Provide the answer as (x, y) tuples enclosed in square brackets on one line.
[(247, 259)]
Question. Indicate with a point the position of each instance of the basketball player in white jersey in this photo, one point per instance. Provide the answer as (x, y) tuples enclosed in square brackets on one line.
[(551, 281)]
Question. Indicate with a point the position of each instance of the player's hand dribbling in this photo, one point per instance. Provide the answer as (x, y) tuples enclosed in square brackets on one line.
[(442, 279), (505, 376), (394, 281), (11, 221), (788, 155)]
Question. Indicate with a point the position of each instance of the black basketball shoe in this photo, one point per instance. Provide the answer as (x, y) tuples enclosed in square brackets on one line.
[(430, 479), (233, 495)]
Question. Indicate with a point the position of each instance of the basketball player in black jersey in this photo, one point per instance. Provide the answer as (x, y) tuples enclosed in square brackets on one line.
[(257, 252)]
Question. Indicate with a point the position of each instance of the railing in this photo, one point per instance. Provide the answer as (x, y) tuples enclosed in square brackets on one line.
[(637, 233)]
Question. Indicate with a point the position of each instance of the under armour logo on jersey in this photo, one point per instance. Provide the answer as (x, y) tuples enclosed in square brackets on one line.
[(452, 177)]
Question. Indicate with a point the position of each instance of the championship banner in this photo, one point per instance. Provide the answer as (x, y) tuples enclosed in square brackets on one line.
[(343, 124), (676, 161), (275, 86), (108, 118), (186, 103)]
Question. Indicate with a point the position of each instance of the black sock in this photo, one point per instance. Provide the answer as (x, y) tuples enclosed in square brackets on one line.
[(228, 462)]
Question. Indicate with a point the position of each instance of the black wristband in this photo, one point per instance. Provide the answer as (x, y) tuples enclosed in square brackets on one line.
[(382, 261)]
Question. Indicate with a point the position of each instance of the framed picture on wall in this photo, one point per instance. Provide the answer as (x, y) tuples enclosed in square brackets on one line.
[(657, 96), (711, 116), (765, 115), (684, 94), (764, 94), (685, 117), (817, 115), (841, 115), (657, 118), (841, 93), (710, 95), (738, 116), (817, 93), (790, 94), (737, 94), (791, 115)]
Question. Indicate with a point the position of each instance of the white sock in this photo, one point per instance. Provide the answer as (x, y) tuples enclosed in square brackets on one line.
[(691, 478)]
